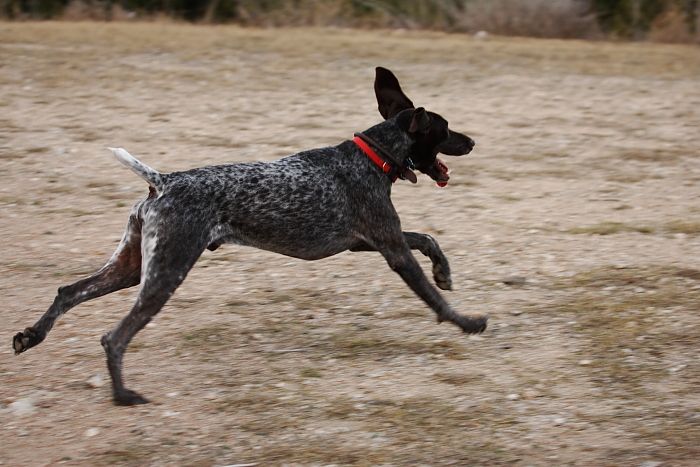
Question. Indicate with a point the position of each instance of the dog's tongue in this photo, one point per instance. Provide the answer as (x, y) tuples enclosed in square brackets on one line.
[(444, 173)]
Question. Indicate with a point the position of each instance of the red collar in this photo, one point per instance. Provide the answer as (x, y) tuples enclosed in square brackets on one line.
[(383, 165)]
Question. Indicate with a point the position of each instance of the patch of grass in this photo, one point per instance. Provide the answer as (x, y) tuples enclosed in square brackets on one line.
[(210, 140), (610, 228), (99, 184), (459, 379), (79, 212), (129, 455), (510, 175), (184, 302), (465, 182), (688, 227), (236, 303), (138, 345), (412, 426), (323, 451), (366, 344), (310, 373), (627, 177), (37, 150), (301, 298), (418, 413), (257, 402), (653, 155), (680, 433), (26, 266), (628, 331), (12, 200), (640, 276), (509, 198), (261, 412), (207, 340), (89, 135), (280, 297), (58, 189)]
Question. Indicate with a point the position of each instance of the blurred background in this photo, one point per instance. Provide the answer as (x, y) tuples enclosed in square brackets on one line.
[(575, 224), (662, 20)]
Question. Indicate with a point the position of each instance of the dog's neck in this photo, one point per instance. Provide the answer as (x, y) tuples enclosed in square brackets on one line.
[(392, 139), (393, 159)]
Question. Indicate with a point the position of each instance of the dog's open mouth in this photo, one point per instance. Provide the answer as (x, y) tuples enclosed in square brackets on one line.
[(439, 172)]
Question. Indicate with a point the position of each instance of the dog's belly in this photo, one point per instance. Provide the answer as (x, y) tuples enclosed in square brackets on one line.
[(308, 237), (293, 249)]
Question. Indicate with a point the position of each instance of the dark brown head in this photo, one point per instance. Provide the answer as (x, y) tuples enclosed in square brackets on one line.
[(428, 131)]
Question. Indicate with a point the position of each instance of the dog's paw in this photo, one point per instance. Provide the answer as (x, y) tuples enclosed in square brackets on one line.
[(25, 340), (471, 324), (126, 397), (442, 277)]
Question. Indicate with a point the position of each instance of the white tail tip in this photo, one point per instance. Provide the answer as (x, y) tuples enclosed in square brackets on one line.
[(141, 169)]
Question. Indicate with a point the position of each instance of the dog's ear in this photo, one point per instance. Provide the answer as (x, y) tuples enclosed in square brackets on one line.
[(390, 98), (456, 144), (420, 121)]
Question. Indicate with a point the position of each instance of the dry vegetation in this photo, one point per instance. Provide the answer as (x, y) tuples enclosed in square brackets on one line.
[(581, 194)]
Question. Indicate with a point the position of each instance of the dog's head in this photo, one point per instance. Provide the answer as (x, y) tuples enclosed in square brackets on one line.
[(428, 131)]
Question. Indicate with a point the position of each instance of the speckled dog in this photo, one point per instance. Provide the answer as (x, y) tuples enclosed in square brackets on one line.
[(310, 205)]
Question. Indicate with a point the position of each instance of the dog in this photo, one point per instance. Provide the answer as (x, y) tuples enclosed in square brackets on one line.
[(310, 205)]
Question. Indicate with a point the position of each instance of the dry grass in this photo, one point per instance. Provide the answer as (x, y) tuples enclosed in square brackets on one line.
[(654, 155), (200, 42), (685, 227), (260, 358), (376, 345), (636, 346), (127, 455), (629, 328), (534, 18), (611, 228)]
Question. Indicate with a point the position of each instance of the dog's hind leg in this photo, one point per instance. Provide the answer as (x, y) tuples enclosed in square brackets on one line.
[(166, 263), (121, 271), (430, 248)]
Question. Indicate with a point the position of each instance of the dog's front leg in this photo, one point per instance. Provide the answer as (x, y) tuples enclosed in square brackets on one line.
[(398, 254), (430, 248)]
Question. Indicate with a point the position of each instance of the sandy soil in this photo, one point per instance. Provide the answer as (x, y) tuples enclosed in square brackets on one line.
[(583, 187)]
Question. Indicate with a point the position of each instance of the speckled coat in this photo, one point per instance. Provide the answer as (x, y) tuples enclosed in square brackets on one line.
[(310, 205)]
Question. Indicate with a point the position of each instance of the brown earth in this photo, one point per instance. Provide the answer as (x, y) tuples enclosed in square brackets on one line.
[(584, 184)]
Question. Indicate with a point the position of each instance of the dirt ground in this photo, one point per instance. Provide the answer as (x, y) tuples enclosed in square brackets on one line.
[(575, 224)]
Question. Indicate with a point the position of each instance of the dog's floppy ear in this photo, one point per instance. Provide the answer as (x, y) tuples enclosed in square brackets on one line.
[(420, 121), (390, 98)]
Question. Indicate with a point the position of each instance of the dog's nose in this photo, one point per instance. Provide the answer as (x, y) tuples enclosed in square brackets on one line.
[(470, 145)]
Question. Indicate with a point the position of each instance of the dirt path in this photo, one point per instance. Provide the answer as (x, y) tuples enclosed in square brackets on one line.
[(584, 183)]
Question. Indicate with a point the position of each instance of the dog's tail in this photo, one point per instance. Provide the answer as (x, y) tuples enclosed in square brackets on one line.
[(152, 176)]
